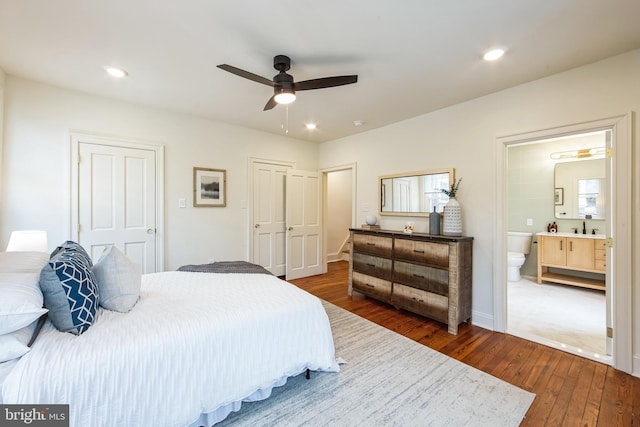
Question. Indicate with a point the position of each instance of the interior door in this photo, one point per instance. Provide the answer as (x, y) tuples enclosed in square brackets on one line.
[(304, 224), (117, 201), (268, 210)]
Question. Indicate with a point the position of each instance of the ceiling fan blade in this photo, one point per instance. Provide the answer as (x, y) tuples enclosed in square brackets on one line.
[(325, 82), (270, 103), (246, 74)]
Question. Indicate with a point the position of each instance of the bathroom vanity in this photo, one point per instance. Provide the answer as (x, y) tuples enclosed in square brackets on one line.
[(426, 274), (563, 256)]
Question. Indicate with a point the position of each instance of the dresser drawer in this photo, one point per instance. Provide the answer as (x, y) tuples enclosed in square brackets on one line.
[(422, 277), (373, 245), (372, 266), (372, 286), (421, 302), (430, 253), (600, 244)]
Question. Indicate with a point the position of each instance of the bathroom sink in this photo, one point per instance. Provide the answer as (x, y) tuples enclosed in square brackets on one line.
[(576, 235)]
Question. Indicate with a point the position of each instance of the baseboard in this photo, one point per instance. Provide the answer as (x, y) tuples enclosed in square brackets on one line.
[(482, 320), (636, 366)]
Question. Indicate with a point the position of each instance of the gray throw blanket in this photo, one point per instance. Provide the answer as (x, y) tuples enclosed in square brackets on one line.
[(226, 267)]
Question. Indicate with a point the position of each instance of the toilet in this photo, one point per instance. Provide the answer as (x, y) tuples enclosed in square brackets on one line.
[(518, 246)]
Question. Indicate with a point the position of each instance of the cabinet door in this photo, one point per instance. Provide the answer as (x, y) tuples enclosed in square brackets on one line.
[(554, 250), (580, 253)]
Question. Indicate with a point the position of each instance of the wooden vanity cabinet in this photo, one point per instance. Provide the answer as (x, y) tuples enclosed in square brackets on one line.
[(425, 274), (582, 254)]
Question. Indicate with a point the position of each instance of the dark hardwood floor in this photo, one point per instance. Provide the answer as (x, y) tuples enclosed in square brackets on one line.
[(570, 390)]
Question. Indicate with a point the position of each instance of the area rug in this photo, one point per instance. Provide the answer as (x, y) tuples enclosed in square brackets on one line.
[(387, 380)]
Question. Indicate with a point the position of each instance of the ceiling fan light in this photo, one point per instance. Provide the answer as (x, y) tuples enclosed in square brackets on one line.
[(494, 54), (116, 72), (285, 97)]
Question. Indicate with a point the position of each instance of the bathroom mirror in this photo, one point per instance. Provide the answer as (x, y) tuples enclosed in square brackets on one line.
[(580, 189), (414, 193)]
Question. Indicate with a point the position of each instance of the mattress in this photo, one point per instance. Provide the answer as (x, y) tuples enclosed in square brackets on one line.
[(194, 344)]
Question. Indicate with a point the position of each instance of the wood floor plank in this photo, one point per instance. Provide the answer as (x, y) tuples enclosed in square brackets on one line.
[(570, 390)]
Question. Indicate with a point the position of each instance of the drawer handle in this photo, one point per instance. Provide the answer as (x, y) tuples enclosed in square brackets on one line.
[(371, 265), (417, 299), (371, 286), (570, 246), (371, 244), (418, 276), (417, 251)]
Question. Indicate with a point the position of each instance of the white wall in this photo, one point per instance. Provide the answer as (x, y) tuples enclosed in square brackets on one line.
[(338, 210), (36, 167), (464, 137), (2, 84)]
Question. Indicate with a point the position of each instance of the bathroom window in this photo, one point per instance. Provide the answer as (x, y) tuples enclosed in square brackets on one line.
[(589, 198)]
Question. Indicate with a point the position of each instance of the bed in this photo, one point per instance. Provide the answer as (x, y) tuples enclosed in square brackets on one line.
[(193, 347)]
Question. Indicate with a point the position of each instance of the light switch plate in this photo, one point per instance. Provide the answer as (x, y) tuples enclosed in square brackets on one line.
[(529, 221), (182, 203)]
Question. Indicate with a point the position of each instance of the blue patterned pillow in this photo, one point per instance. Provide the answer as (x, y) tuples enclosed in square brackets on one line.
[(69, 288)]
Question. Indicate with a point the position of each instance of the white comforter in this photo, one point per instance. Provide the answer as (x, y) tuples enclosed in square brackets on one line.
[(194, 342)]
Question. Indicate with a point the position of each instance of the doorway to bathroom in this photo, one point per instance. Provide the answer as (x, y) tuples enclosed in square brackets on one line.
[(529, 201), (559, 185)]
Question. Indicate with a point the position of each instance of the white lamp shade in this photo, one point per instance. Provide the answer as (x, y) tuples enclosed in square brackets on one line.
[(28, 241)]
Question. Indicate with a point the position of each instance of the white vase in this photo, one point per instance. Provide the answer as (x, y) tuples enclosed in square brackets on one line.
[(452, 218), (371, 219)]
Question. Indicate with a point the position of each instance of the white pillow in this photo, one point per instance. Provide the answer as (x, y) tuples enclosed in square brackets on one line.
[(22, 262), (20, 300), (14, 345), (118, 280)]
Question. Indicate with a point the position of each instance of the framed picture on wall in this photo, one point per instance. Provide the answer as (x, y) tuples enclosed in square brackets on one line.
[(209, 187), (558, 196)]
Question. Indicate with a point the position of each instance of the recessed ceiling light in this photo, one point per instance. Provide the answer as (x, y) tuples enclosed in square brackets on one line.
[(311, 126), (494, 54), (116, 72)]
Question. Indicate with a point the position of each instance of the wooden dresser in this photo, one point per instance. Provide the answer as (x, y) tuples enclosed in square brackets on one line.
[(422, 273)]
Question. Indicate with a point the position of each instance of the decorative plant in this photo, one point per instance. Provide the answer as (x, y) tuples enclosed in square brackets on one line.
[(454, 189)]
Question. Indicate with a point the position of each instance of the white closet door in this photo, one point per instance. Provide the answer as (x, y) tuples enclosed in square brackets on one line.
[(117, 201), (304, 224)]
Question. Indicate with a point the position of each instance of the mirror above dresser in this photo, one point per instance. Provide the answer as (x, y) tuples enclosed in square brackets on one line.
[(414, 193)]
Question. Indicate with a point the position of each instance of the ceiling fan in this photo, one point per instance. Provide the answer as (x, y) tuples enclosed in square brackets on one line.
[(284, 87)]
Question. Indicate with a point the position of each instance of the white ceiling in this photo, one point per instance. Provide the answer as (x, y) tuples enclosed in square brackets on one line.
[(412, 56)]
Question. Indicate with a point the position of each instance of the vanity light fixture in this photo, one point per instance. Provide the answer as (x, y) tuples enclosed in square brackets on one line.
[(116, 72), (584, 153), (493, 54)]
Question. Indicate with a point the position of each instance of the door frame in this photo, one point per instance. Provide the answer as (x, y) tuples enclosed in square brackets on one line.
[(353, 167), (78, 137), (622, 227)]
